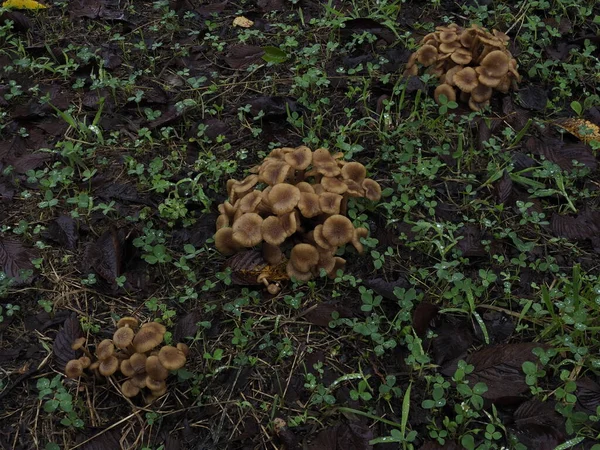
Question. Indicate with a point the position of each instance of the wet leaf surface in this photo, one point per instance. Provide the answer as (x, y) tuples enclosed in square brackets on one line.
[(63, 230), (351, 436), (15, 260), (241, 56), (584, 225), (68, 333)]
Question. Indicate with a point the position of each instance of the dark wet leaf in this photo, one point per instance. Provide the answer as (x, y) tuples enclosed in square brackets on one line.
[(172, 114), (6, 193), (538, 425), (522, 161), (54, 127), (499, 326), (118, 191), (272, 107), (504, 188), (352, 436), (15, 258), (10, 148), (320, 314), (500, 368), (470, 245), (43, 320), (9, 354), (96, 9), (270, 5), (414, 84), (107, 256), (561, 153), (65, 337), (560, 52), (197, 234), (516, 117), (241, 56), (361, 25), (386, 288), (63, 230), (454, 337), (422, 317), (30, 161), (20, 20), (101, 438), (211, 8), (588, 394), (187, 326), (585, 225), (533, 98)]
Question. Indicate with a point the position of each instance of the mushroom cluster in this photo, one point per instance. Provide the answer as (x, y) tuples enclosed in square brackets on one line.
[(472, 60), (295, 200), (134, 355)]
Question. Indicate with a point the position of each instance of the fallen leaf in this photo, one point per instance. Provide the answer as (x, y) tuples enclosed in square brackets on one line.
[(585, 225), (504, 188), (581, 128), (14, 259), (241, 56), (23, 4), (107, 256), (64, 231), (65, 337), (243, 22)]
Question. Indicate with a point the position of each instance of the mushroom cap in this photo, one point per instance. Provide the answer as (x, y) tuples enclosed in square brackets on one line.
[(155, 369), (74, 369), (155, 385), (449, 47), (358, 234), (309, 204), (461, 56), (477, 106), (448, 36), (299, 158), (427, 55), (85, 361), (481, 93), (330, 203), (123, 337), (126, 368), (449, 77), (128, 389), (283, 198), (246, 230), (138, 362), (324, 163), (147, 338), (320, 240), (334, 184), (496, 63), (108, 366), (78, 343), (467, 38), (292, 272), (171, 357), (105, 349), (273, 172), (372, 189), (354, 188), (224, 241), (485, 78), (245, 185), (139, 380), (128, 321), (250, 202), (466, 79), (272, 231), (184, 348), (303, 186), (304, 257), (354, 171), (444, 89), (289, 222), (338, 230), (222, 222)]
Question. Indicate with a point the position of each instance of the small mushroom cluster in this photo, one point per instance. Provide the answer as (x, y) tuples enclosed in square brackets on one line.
[(133, 354), (296, 199), (472, 60)]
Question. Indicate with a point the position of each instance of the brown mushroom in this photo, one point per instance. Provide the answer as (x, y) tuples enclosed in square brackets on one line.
[(495, 64), (427, 55), (372, 189), (283, 198), (126, 368), (304, 257), (481, 93), (105, 349), (359, 233), (147, 338), (330, 203), (339, 264), (155, 385), (338, 230), (461, 56), (250, 202), (128, 321), (74, 369), (128, 389), (123, 337), (354, 171), (303, 186), (320, 239), (224, 241), (155, 369), (184, 348), (309, 204), (274, 172), (138, 362), (444, 89), (299, 158), (246, 230), (85, 361), (108, 366), (171, 357), (466, 79), (292, 272)]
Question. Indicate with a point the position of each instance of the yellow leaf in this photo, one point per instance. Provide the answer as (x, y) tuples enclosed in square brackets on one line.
[(241, 21), (23, 4), (583, 129)]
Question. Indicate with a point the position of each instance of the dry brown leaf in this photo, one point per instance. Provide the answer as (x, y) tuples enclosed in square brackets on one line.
[(581, 128), (243, 22)]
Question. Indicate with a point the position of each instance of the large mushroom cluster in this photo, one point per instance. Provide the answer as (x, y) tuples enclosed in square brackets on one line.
[(134, 355), (471, 60), (295, 200)]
